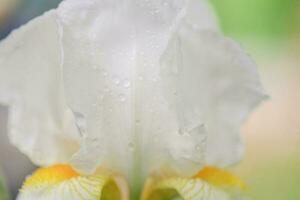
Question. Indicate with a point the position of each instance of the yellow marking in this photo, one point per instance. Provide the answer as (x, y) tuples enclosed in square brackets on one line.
[(50, 175), (209, 183), (219, 178), (62, 180)]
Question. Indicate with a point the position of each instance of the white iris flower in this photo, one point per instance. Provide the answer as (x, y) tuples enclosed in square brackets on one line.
[(113, 96)]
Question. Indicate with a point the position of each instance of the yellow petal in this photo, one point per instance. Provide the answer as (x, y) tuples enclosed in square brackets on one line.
[(220, 178), (62, 182)]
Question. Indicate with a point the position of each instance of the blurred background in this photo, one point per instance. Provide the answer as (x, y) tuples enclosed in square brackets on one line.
[(269, 30)]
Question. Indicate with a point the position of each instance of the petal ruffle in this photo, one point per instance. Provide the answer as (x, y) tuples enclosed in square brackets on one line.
[(217, 85), (40, 124)]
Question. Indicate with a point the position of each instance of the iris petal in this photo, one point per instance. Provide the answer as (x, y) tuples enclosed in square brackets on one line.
[(217, 86), (220, 178), (62, 182), (186, 189), (131, 85), (208, 184), (40, 123)]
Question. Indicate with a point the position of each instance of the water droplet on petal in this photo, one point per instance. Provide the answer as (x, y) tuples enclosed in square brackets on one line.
[(94, 140), (95, 67), (198, 147), (116, 81), (126, 83), (137, 122), (131, 146), (181, 132), (80, 122), (105, 73), (156, 11), (122, 97), (106, 89)]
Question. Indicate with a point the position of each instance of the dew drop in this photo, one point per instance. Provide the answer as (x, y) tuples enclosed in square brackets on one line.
[(106, 89), (204, 141), (122, 97), (116, 81), (180, 132), (95, 67), (126, 83), (94, 140), (155, 11), (80, 122), (131, 146), (198, 147), (137, 122), (105, 73), (141, 78)]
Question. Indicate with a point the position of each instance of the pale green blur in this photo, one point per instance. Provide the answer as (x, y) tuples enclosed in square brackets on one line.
[(277, 180), (3, 191), (266, 19)]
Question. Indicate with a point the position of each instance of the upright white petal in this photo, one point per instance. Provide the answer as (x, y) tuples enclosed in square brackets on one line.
[(112, 76), (30, 81), (216, 83), (149, 82), (200, 15)]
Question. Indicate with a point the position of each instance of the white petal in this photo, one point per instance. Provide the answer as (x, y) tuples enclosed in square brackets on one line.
[(217, 84), (112, 77), (141, 96), (210, 183), (40, 125), (61, 182), (200, 16), (76, 189), (183, 188)]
